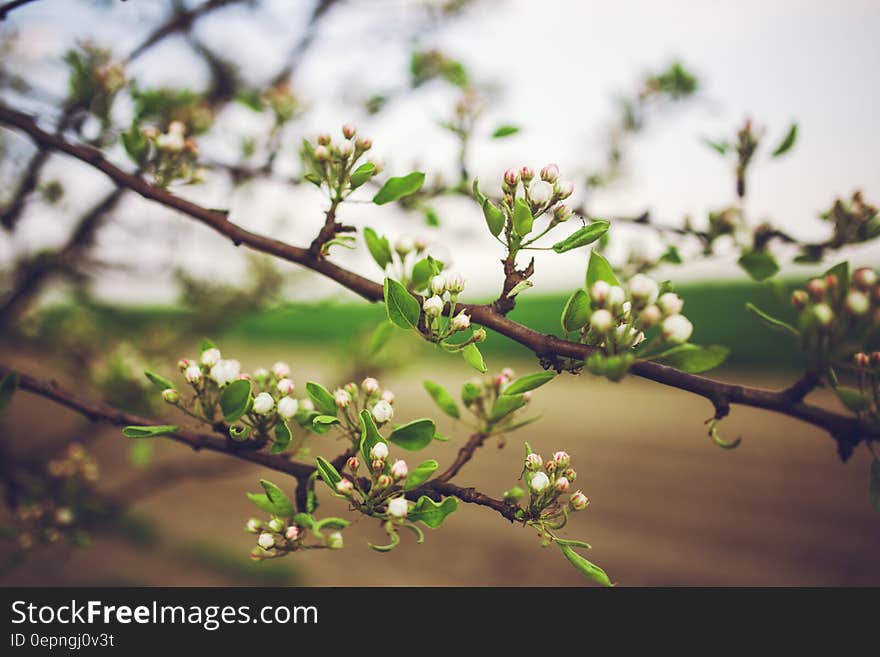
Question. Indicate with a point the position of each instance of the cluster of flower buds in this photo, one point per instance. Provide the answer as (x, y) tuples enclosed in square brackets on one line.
[(481, 397), (548, 481), (839, 309), (282, 101), (95, 80), (170, 156), (382, 499), (110, 77), (76, 464), (334, 164), (277, 538), (352, 398), (444, 289)]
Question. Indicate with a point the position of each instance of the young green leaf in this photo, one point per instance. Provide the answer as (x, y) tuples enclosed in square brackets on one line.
[(422, 272), (262, 502), (431, 217), (598, 269), (8, 386), (577, 310), (235, 400), (148, 432), (582, 236), (529, 382), (506, 404), (325, 419), (474, 358), (591, 570), (282, 504), (469, 393), (395, 541), (504, 131), (522, 218), (694, 358), (853, 399), (362, 174), (414, 435), (787, 141), (158, 380), (430, 512), (494, 217), (379, 338), (719, 147), (369, 437), (328, 473), (760, 265), (772, 322), (321, 398), (396, 188), (282, 438), (239, 432), (481, 198), (421, 474), (402, 307), (206, 344), (378, 247), (442, 398)]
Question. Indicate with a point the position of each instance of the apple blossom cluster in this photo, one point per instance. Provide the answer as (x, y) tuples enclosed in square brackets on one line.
[(170, 156), (441, 322), (330, 164), (549, 485), (282, 101), (351, 399), (278, 537), (833, 309), (383, 496)]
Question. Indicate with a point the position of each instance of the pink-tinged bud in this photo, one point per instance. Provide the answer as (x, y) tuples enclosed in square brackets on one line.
[(551, 466), (388, 396), (857, 303), (438, 284), (351, 388), (527, 396), (874, 358), (511, 177), (353, 463), (570, 474), (398, 508), (378, 165), (183, 363), (348, 131), (364, 144), (370, 385), (379, 451), (256, 554), (210, 357), (561, 484), (534, 461), (865, 278), (433, 306), (285, 386), (861, 359), (539, 482), (461, 322), (561, 213), (192, 146), (508, 372), (170, 395), (266, 541), (601, 321), (344, 487), (650, 316), (823, 314), (399, 469), (322, 154), (280, 370), (799, 299), (500, 381), (550, 173), (293, 532), (816, 288), (150, 132), (378, 465), (346, 148), (193, 374), (561, 459), (324, 139), (526, 174), (578, 501), (384, 481), (564, 189), (831, 281), (342, 398), (599, 292), (479, 335), (454, 281)]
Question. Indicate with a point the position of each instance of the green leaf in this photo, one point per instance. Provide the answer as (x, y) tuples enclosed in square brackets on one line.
[(311, 496), (422, 272), (577, 310), (328, 473), (8, 386), (402, 307), (591, 570), (395, 541), (431, 217), (414, 435), (369, 437), (379, 338), (149, 432), (494, 217), (469, 393), (325, 419), (695, 358), (362, 174), (280, 502), (421, 474), (430, 512), (239, 432), (504, 131), (396, 188), (474, 358), (760, 265), (135, 143), (529, 382), (841, 272), (158, 380), (481, 198), (330, 522), (718, 146), (874, 488), (772, 322), (321, 398), (672, 256), (598, 269), (582, 236), (282, 438), (787, 141), (506, 404), (305, 519), (235, 400), (262, 502), (853, 399), (378, 247), (442, 398), (522, 218), (206, 344)]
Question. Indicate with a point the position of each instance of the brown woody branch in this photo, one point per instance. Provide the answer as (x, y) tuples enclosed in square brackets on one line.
[(847, 430), (9, 6)]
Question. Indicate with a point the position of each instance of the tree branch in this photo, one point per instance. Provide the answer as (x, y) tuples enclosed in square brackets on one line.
[(847, 430), (10, 6)]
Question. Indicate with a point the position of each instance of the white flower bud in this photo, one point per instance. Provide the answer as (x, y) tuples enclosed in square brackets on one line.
[(539, 482), (857, 303), (379, 451), (865, 278), (263, 403), (398, 508), (261, 373), (287, 407), (388, 396), (370, 385), (599, 292), (253, 525), (322, 154), (276, 525), (643, 289), (173, 143), (823, 314), (266, 541), (346, 148), (382, 411), (404, 245), (399, 469), (342, 398), (454, 281), (292, 533), (438, 284), (650, 316), (670, 303), (170, 395), (226, 371), (334, 541), (285, 386), (564, 189), (344, 487), (280, 370), (540, 192), (676, 329), (601, 320), (550, 173), (307, 404), (433, 306), (461, 321), (348, 130), (210, 357), (616, 296), (193, 374)]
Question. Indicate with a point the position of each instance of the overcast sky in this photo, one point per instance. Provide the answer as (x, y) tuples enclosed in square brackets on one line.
[(559, 64)]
